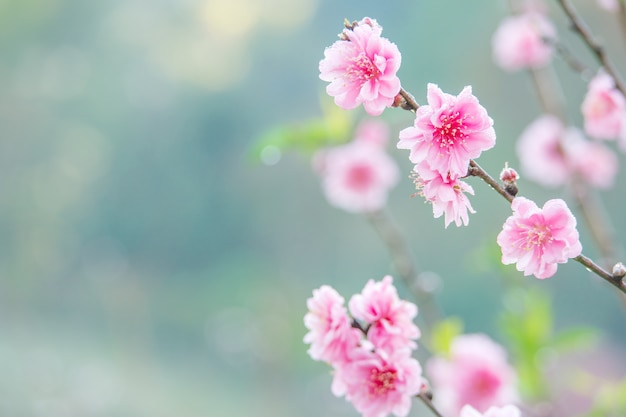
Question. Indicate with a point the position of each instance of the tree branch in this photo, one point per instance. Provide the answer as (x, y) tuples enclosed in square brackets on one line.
[(579, 25)]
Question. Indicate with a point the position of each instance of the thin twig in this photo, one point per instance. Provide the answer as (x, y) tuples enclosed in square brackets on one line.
[(477, 171), (405, 265), (616, 281), (622, 17), (426, 400), (411, 104), (596, 48)]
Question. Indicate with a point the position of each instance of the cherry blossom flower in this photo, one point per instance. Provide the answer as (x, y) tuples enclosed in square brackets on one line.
[(506, 411), (448, 132), (609, 5), (593, 162), (536, 240), (475, 373), (540, 154), (523, 41), (446, 195), (550, 155), (390, 319), (331, 335), (381, 383), (357, 177), (604, 108), (362, 69)]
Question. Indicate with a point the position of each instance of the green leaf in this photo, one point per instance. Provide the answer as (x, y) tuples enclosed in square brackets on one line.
[(443, 333), (574, 338), (333, 128)]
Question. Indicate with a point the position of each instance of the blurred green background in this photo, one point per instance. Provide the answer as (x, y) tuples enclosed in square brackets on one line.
[(152, 265)]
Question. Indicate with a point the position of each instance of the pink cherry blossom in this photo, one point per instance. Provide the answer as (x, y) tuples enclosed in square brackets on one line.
[(540, 154), (446, 195), (536, 240), (390, 319), (522, 41), (610, 5), (448, 132), (592, 162), (475, 373), (357, 177), (382, 383), (604, 108), (331, 335), (373, 131), (551, 155), (362, 69), (506, 411)]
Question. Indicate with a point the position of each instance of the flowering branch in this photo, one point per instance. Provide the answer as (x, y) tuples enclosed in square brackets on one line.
[(551, 97), (598, 50)]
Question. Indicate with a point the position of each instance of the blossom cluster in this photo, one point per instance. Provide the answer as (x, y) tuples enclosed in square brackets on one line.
[(369, 349), (447, 134)]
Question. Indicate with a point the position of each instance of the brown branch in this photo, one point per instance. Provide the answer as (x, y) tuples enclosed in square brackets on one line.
[(622, 17), (405, 265), (579, 25), (427, 401), (616, 281), (476, 171), (409, 100)]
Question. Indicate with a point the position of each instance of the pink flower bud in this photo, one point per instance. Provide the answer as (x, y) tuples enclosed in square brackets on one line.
[(508, 175)]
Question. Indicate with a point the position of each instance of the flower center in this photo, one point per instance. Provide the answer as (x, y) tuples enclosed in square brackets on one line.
[(538, 235), (485, 383), (381, 381), (450, 132), (360, 177), (361, 68)]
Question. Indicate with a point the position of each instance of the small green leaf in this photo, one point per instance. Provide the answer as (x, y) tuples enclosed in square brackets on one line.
[(574, 338), (444, 333)]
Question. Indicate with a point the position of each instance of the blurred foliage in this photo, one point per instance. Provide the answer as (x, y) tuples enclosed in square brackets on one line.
[(443, 333), (528, 325), (333, 128), (609, 399)]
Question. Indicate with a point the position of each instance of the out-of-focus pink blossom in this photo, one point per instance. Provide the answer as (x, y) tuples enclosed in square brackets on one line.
[(506, 411), (373, 131), (390, 319), (357, 177), (593, 162), (475, 373), (382, 383), (540, 154), (362, 69), (331, 335), (550, 154), (610, 5), (536, 240), (604, 108), (446, 195), (448, 132), (523, 41)]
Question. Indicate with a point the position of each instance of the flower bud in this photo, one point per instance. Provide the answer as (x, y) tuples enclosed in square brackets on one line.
[(508, 174), (509, 178), (619, 270)]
